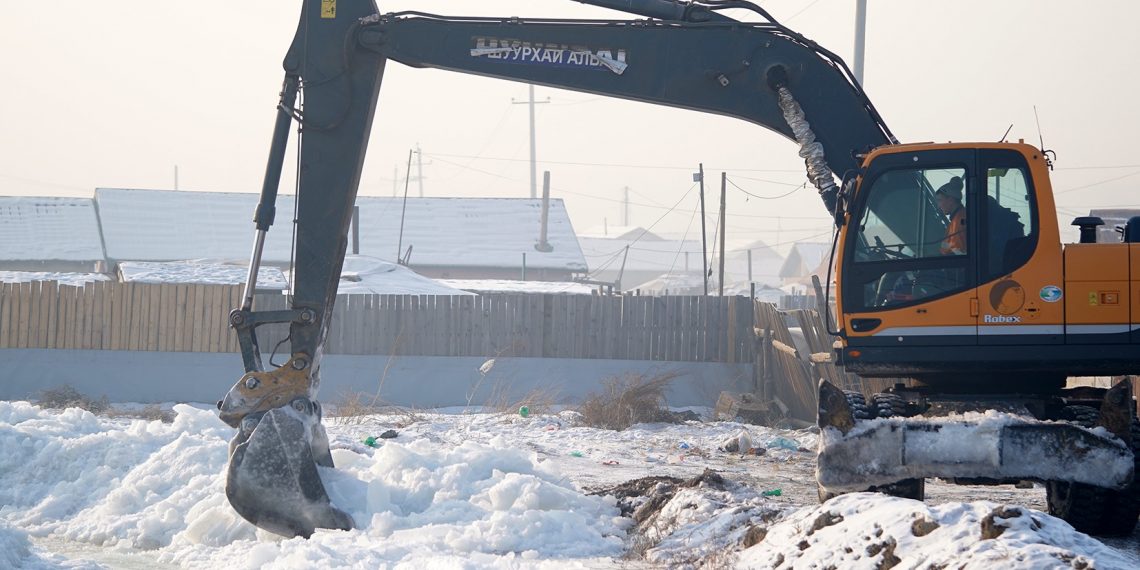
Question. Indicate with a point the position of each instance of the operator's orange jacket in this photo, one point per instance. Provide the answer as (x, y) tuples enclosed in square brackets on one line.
[(955, 242)]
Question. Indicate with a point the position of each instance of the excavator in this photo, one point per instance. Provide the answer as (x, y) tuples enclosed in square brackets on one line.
[(949, 267)]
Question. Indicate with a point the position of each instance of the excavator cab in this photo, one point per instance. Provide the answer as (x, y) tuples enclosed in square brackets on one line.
[(952, 279)]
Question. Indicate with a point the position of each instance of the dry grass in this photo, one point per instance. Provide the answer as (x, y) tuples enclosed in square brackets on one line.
[(627, 400), (539, 401), (68, 397), (352, 408), (151, 413), (355, 408)]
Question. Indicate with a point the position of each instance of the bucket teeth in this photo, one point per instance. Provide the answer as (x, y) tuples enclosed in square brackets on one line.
[(834, 409), (272, 479)]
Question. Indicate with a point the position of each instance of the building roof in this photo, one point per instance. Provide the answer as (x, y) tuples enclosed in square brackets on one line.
[(166, 225), (163, 225), (804, 258), (658, 256), (1113, 218), (666, 257), (621, 232), (49, 229), (470, 232)]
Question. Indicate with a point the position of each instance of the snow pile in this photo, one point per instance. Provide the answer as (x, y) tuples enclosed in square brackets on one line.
[(868, 530), (370, 275), (704, 522), (72, 279), (200, 271), (14, 548), (107, 482), (148, 486)]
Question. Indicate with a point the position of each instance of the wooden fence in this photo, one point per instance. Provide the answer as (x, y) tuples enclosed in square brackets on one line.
[(192, 318)]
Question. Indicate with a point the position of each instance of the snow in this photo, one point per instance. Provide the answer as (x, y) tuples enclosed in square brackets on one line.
[(862, 530), (200, 271), (507, 286), (369, 275), (463, 489), (72, 279), (49, 228)]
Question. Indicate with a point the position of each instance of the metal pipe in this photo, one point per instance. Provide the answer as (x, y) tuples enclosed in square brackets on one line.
[(704, 234), (356, 230), (266, 208), (533, 152), (662, 10), (860, 38), (723, 192), (254, 265)]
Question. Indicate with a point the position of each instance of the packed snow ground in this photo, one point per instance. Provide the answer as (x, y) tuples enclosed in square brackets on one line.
[(492, 490)]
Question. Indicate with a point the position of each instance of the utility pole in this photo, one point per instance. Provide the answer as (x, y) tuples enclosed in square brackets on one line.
[(175, 176), (723, 229), (860, 38), (403, 211), (420, 169), (625, 213), (543, 244), (700, 176), (533, 152)]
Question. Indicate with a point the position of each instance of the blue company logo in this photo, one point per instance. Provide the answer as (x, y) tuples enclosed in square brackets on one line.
[(1051, 293)]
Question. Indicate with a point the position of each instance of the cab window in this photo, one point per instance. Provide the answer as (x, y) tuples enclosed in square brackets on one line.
[(1009, 213), (912, 241)]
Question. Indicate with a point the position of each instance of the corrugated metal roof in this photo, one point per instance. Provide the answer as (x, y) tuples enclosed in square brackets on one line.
[(163, 225), (48, 229)]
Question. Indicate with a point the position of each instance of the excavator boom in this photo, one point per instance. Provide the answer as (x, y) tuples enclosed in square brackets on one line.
[(691, 56), (685, 55)]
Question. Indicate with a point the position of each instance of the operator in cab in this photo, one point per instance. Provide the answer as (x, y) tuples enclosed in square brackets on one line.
[(949, 197)]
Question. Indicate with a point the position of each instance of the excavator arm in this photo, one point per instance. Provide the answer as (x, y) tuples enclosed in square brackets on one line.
[(686, 54)]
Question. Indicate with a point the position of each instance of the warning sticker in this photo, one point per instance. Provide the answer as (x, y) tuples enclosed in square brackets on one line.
[(328, 9)]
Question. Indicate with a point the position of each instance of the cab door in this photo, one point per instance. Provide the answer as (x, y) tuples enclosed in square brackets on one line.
[(1020, 293), (906, 280)]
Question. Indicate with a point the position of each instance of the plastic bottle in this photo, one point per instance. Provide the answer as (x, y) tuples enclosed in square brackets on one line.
[(784, 443)]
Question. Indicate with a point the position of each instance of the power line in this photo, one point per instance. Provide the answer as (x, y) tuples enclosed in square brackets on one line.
[(1129, 175), (684, 236), (785, 195), (801, 11), (1096, 167), (614, 200), (770, 181), (612, 164)]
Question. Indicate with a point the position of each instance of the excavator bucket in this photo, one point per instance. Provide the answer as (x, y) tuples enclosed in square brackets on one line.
[(273, 480)]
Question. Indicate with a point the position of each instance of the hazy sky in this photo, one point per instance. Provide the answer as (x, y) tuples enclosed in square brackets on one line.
[(116, 93)]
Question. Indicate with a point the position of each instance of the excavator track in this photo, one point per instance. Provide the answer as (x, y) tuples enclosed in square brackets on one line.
[(1083, 462)]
